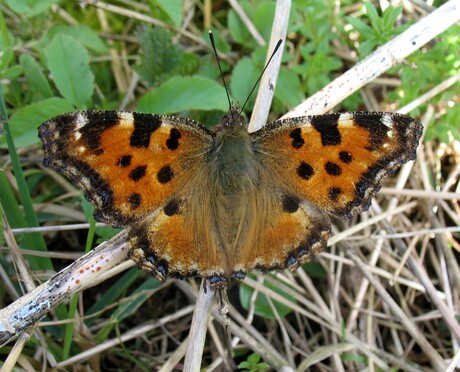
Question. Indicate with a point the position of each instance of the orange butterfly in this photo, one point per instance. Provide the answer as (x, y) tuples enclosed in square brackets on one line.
[(218, 204)]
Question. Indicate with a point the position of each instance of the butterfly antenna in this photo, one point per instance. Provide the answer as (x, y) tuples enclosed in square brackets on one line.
[(211, 37), (278, 44)]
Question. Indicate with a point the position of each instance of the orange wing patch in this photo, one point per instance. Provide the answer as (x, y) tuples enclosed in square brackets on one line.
[(295, 232), (172, 242), (338, 161), (126, 163)]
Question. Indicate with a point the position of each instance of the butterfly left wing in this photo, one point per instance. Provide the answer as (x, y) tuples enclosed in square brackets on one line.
[(128, 164), (337, 161)]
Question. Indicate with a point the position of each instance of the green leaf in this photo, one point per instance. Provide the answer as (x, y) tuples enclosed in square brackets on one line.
[(244, 76), (182, 94), (238, 32), (30, 8), (263, 17), (173, 8), (363, 28), (38, 84), (161, 58), (85, 35), (390, 15), (68, 62), (288, 88), (5, 59), (254, 358), (24, 122), (261, 13), (114, 293), (372, 14)]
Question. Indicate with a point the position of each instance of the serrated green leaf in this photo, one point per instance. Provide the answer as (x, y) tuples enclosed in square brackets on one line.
[(68, 62), (173, 8), (24, 122), (38, 85), (161, 58), (182, 94)]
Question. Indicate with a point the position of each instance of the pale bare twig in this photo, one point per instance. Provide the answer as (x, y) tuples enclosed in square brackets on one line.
[(267, 86)]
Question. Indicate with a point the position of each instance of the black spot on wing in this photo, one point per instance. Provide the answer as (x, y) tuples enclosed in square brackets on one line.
[(144, 126), (165, 174), (135, 200), (290, 204), (173, 141), (333, 169), (172, 208), (138, 173), (345, 157), (297, 140), (334, 193), (305, 170), (124, 161), (326, 125)]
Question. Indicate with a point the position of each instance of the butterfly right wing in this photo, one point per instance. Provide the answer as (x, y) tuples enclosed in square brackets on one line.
[(337, 161)]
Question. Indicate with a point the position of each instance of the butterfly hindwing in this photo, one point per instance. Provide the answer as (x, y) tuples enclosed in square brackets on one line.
[(292, 233), (337, 161), (127, 164), (179, 240)]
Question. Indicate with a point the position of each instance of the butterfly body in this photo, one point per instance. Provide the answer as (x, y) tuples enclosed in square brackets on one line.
[(218, 204)]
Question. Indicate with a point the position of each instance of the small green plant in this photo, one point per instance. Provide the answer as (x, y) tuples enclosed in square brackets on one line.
[(253, 364), (381, 28)]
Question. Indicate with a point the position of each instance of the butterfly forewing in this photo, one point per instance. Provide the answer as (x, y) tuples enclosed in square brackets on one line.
[(128, 164), (337, 161)]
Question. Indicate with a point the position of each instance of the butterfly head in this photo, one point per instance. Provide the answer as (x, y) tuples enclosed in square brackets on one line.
[(233, 119)]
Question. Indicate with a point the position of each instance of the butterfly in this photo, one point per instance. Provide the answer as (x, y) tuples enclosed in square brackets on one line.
[(218, 204)]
